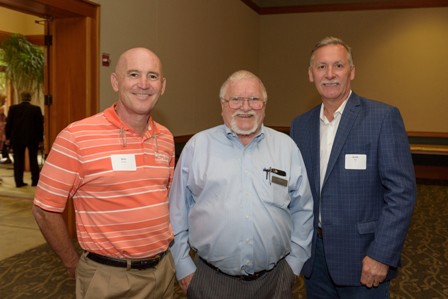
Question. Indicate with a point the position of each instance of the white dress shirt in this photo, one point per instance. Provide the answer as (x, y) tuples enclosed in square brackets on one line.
[(328, 131)]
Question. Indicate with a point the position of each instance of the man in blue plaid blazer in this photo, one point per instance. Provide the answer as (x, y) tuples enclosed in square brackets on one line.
[(362, 178)]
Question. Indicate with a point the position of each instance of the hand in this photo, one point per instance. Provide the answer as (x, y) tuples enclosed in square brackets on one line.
[(52, 226), (373, 272), (71, 266), (185, 282), (71, 273)]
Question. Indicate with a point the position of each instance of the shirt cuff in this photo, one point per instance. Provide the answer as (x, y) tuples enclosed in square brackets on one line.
[(184, 268)]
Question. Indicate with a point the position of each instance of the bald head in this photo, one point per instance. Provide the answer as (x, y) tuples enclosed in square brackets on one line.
[(137, 54)]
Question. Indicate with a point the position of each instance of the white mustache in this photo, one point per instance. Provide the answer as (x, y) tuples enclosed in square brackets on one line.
[(249, 113)]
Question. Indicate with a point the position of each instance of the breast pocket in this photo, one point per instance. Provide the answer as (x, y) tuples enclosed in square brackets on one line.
[(277, 194)]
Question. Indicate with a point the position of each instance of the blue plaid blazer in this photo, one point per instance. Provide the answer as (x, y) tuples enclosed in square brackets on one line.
[(364, 212)]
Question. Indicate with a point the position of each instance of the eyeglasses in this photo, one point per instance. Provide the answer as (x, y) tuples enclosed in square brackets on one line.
[(237, 102)]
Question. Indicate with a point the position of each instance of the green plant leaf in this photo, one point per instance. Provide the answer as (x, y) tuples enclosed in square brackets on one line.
[(24, 63)]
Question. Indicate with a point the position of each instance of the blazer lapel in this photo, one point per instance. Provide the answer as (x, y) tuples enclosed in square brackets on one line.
[(348, 119), (314, 135)]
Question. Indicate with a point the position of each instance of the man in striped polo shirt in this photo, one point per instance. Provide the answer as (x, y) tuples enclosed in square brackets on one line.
[(117, 167)]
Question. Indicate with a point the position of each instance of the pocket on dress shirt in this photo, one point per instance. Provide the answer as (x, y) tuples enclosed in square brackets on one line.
[(278, 193)]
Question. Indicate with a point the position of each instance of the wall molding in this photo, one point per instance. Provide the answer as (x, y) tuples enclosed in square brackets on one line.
[(366, 5)]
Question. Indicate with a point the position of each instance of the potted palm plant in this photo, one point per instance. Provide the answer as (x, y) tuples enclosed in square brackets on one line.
[(24, 64)]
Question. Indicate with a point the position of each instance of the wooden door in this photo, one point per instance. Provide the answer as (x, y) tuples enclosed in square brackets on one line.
[(72, 73)]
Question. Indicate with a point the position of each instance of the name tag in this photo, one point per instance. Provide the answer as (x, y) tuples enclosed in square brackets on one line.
[(123, 162), (356, 162), (279, 181)]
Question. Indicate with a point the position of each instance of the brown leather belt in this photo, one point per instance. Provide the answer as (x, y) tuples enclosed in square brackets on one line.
[(249, 277), (320, 234), (129, 264)]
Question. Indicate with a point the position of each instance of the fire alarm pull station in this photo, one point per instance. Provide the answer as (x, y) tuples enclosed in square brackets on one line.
[(105, 59)]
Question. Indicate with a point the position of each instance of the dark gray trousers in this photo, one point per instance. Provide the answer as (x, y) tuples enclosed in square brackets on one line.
[(208, 283)]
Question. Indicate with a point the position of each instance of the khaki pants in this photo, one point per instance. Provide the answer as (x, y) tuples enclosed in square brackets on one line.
[(94, 280)]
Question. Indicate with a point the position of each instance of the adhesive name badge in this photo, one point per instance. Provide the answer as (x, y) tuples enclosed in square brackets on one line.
[(356, 162), (123, 162)]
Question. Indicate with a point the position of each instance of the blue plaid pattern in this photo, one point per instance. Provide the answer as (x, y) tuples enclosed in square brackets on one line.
[(364, 212)]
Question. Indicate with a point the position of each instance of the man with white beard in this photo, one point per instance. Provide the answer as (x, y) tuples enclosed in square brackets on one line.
[(240, 199)]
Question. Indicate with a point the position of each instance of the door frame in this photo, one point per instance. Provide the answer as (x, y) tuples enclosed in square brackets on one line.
[(72, 65)]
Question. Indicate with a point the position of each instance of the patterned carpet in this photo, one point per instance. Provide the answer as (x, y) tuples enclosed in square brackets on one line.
[(424, 274), (37, 273)]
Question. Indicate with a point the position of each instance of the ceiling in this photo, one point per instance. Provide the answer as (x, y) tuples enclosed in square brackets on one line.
[(298, 6)]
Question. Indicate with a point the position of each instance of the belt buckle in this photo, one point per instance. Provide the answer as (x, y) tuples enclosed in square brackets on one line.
[(148, 263), (249, 277), (252, 277)]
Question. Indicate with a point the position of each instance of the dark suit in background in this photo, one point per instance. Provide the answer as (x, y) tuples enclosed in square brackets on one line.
[(368, 190), (25, 129)]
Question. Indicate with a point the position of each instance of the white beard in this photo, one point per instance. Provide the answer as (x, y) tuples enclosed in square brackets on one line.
[(238, 131)]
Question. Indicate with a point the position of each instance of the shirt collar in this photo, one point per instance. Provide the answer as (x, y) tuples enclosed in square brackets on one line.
[(339, 111), (112, 116), (232, 135)]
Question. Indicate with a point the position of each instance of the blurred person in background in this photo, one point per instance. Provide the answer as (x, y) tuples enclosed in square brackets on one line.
[(25, 130)]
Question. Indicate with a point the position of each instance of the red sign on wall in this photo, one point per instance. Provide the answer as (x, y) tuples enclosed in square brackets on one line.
[(105, 59)]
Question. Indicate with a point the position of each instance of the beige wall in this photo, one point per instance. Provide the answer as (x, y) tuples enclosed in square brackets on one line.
[(12, 21), (399, 55), (200, 43), (400, 58)]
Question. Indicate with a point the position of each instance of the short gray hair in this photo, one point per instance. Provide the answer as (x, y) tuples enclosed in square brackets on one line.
[(330, 40), (241, 75)]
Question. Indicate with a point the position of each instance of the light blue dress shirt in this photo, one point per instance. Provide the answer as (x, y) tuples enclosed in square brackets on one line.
[(234, 212)]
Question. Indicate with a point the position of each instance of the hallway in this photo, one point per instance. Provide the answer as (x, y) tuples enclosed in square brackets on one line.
[(18, 229)]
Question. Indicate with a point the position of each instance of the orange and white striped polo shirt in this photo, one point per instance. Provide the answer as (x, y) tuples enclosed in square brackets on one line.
[(119, 183)]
